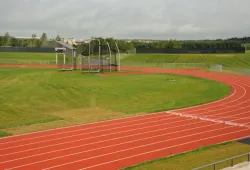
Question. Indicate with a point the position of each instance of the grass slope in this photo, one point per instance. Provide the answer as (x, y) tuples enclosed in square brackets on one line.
[(227, 60), (197, 158), (45, 99)]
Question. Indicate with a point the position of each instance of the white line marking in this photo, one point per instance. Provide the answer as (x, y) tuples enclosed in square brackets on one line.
[(162, 115), (98, 136), (116, 139), (81, 134), (147, 153), (140, 146), (73, 126), (208, 119)]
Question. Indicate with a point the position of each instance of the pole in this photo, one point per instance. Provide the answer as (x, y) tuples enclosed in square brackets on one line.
[(109, 57), (119, 59), (89, 54), (64, 60), (99, 54)]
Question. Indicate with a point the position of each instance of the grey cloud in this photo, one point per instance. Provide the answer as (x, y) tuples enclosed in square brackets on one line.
[(158, 19)]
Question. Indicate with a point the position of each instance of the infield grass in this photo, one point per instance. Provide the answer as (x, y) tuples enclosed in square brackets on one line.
[(39, 99)]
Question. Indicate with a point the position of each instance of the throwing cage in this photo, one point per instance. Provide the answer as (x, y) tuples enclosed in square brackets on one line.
[(100, 58)]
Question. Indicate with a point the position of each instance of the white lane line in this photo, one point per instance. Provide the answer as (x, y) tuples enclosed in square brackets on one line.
[(116, 145), (86, 124), (208, 119), (14, 141), (220, 100), (145, 153), (203, 113), (137, 148), (236, 84), (140, 146), (93, 137), (112, 139), (81, 134), (243, 95)]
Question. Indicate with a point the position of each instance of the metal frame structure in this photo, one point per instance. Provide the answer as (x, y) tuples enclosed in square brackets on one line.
[(89, 61)]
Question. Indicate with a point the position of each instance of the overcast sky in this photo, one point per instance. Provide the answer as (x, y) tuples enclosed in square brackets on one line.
[(144, 19)]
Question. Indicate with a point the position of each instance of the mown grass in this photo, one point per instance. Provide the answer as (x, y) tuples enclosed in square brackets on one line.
[(227, 60), (27, 56), (3, 134), (197, 158), (37, 99)]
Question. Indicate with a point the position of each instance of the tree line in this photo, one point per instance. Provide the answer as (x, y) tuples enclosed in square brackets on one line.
[(33, 41), (125, 45)]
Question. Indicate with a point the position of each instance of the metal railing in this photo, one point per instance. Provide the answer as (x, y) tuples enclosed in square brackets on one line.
[(214, 165)]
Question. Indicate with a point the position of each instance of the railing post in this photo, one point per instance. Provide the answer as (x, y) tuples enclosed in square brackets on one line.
[(232, 162), (214, 166)]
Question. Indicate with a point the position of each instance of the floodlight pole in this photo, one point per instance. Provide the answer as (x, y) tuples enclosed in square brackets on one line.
[(109, 57), (119, 60)]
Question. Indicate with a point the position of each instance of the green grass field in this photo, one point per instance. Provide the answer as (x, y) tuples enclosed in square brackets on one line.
[(197, 158), (227, 60), (37, 99)]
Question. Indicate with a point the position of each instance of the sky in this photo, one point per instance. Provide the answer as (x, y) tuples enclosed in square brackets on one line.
[(127, 19)]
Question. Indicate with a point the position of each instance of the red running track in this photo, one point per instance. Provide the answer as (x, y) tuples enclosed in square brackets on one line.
[(119, 143)]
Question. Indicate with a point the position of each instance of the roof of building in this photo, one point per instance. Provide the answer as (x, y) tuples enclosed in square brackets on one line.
[(66, 45)]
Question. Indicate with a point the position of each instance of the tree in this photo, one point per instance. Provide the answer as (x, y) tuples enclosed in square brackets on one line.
[(58, 38), (15, 42), (25, 43), (38, 43), (6, 39), (33, 40), (44, 39), (1, 40)]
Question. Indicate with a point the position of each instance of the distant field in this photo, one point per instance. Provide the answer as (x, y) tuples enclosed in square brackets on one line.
[(36, 99), (27, 56), (241, 61), (227, 60)]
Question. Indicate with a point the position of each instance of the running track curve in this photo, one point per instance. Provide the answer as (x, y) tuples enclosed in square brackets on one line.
[(119, 143)]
